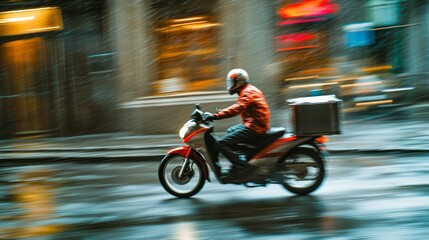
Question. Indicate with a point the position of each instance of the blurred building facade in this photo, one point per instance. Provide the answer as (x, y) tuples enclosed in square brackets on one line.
[(95, 66)]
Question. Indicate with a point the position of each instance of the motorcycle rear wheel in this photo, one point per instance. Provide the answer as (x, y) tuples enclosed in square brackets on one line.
[(304, 171), (185, 186)]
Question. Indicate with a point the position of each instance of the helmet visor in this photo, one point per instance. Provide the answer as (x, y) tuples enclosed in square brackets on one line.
[(229, 83)]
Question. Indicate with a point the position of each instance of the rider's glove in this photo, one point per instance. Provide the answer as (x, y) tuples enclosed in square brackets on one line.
[(208, 116)]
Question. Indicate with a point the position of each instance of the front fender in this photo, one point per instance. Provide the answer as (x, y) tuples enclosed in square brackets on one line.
[(182, 151)]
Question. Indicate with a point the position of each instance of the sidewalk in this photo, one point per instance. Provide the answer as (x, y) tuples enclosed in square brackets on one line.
[(99, 147), (359, 136)]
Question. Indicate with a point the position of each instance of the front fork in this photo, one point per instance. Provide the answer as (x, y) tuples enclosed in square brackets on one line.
[(189, 153), (185, 163)]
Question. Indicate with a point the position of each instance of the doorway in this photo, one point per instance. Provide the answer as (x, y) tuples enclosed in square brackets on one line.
[(25, 88)]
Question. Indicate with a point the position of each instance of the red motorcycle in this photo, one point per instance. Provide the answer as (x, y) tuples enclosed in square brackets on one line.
[(297, 163)]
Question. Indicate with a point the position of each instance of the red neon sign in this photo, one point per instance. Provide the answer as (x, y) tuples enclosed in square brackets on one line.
[(295, 38), (309, 8), (296, 41), (297, 21)]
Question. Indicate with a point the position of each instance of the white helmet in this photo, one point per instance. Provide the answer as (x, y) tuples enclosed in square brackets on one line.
[(235, 79)]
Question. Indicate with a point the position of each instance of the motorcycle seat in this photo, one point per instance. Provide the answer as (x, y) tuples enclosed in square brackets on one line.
[(271, 135), (265, 139), (276, 132)]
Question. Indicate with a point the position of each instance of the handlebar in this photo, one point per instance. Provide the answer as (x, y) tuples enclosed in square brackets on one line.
[(198, 115)]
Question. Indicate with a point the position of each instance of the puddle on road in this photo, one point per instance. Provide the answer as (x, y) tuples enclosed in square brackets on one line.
[(32, 211)]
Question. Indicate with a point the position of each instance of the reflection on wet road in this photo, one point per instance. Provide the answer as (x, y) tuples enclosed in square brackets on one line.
[(363, 197), (29, 209)]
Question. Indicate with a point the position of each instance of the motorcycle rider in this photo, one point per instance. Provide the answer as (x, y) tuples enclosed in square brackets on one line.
[(255, 114)]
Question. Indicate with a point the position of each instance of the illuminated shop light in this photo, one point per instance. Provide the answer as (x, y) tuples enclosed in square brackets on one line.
[(295, 37), (312, 85), (378, 68), (16, 19), (188, 53), (27, 21), (297, 48), (202, 26), (298, 21), (189, 23), (188, 26), (343, 79), (189, 19), (361, 84), (308, 8), (301, 78), (397, 89), (365, 104)]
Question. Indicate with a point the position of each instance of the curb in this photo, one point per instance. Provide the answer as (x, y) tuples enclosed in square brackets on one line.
[(374, 151), (91, 149), (81, 160), (159, 156)]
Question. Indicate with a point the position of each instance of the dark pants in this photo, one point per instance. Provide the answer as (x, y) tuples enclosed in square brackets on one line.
[(234, 135)]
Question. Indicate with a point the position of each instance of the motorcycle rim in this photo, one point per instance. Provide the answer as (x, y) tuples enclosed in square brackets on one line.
[(303, 172), (187, 185)]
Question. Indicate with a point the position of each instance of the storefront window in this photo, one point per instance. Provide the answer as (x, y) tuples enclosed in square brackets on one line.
[(188, 47), (387, 50), (302, 43), (344, 48)]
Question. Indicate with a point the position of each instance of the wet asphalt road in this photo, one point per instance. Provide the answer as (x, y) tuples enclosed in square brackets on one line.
[(363, 197)]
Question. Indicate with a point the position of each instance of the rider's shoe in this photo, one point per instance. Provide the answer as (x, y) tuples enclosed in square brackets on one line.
[(238, 173), (228, 179)]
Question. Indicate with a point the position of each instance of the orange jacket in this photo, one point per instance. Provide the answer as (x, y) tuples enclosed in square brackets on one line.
[(252, 107)]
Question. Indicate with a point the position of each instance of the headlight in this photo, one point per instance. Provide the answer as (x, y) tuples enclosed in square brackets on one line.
[(183, 132)]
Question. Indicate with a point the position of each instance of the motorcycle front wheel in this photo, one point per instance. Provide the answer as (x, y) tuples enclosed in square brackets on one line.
[(183, 186), (303, 171)]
